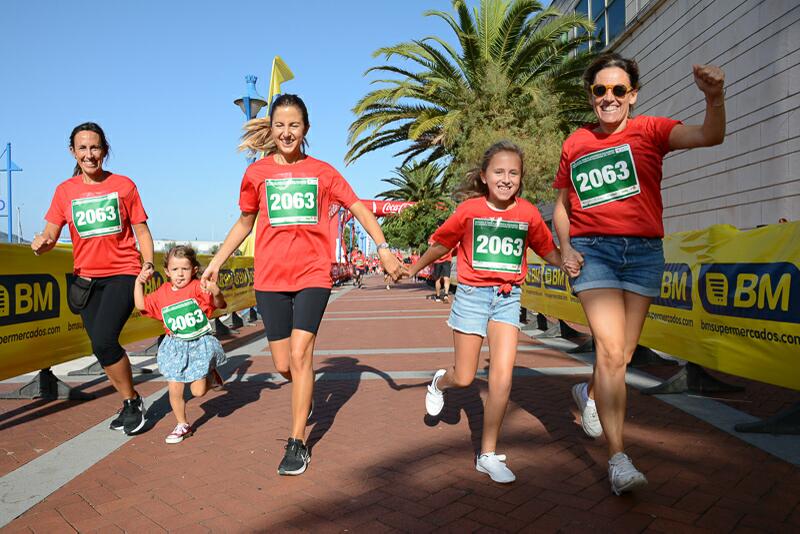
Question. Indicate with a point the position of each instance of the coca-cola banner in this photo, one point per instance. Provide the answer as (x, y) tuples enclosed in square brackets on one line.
[(381, 208)]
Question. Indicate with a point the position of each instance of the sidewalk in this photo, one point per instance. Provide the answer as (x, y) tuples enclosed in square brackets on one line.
[(379, 464)]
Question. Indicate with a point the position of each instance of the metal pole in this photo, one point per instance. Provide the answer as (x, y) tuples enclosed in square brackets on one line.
[(10, 209), (249, 115)]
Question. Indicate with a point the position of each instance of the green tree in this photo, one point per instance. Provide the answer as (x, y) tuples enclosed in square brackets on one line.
[(415, 182), (412, 227), (513, 73)]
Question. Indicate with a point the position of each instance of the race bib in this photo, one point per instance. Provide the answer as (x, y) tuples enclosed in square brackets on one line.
[(96, 216), (185, 319), (605, 176), (292, 201), (498, 245)]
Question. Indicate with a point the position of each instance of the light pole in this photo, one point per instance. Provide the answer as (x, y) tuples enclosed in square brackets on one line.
[(8, 206), (251, 102)]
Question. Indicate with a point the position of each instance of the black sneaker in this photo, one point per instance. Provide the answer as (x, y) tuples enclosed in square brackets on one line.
[(296, 458), (117, 423), (133, 415)]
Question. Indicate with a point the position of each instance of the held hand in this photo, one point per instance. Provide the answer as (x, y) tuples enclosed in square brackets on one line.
[(41, 243), (709, 79), (391, 264), (572, 261), (142, 277), (209, 287), (147, 271), (210, 274)]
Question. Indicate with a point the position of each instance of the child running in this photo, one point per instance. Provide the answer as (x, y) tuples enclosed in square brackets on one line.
[(492, 232), (188, 353)]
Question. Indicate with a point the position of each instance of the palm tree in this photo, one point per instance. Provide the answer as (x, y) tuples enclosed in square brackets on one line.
[(416, 182), (509, 51)]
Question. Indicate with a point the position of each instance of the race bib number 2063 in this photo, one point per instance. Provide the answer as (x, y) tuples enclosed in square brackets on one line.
[(498, 245), (292, 201), (605, 176), (96, 216)]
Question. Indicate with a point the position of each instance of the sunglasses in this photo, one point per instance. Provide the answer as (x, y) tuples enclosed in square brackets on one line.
[(618, 91)]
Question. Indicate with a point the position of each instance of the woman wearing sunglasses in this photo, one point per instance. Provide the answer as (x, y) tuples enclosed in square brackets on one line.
[(608, 221)]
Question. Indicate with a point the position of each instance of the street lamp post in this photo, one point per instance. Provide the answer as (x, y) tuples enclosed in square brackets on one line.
[(251, 102), (10, 167)]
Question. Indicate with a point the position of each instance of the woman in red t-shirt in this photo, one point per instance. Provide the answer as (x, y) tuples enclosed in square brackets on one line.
[(103, 212), (492, 231), (294, 196), (608, 220)]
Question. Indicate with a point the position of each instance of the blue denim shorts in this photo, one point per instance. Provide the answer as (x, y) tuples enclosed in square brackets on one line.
[(474, 307), (634, 264)]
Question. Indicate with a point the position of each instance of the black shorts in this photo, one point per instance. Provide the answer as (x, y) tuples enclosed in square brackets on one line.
[(441, 270), (109, 306), (284, 311)]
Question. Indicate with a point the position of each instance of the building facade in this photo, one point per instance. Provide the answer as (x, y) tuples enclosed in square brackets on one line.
[(753, 178)]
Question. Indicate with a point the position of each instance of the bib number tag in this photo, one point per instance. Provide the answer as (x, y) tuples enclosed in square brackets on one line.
[(96, 216), (498, 245), (605, 176), (292, 201), (185, 319)]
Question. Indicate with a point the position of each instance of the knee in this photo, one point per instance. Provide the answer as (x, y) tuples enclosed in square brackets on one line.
[(108, 352), (199, 388), (461, 380), (611, 359), (300, 359)]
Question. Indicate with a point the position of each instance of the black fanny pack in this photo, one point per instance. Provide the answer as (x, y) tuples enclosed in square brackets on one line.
[(78, 293)]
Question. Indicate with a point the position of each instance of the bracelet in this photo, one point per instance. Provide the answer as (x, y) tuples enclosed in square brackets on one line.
[(150, 263)]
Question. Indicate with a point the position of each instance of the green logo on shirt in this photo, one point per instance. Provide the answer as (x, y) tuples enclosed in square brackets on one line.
[(292, 201), (605, 176), (96, 216), (498, 245), (185, 319)]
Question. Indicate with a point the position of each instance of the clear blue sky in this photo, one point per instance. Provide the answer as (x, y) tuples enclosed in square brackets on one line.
[(160, 77)]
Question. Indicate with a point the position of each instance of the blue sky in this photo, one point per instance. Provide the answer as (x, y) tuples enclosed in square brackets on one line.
[(160, 77)]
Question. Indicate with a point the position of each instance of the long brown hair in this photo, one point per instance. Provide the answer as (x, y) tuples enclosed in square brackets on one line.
[(475, 186), (257, 136)]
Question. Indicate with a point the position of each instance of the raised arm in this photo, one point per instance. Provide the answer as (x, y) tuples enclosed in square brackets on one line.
[(370, 224), (240, 230), (710, 80)]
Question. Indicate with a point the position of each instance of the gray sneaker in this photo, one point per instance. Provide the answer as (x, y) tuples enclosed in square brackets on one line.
[(590, 421), (623, 475)]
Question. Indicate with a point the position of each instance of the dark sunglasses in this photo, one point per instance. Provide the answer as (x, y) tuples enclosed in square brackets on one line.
[(618, 91)]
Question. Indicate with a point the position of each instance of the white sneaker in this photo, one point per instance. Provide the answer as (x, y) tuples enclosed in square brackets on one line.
[(434, 399), (494, 465), (590, 421), (623, 475)]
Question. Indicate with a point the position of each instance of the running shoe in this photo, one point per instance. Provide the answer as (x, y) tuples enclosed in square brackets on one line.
[(437, 298), (296, 458), (623, 475), (434, 398), (179, 433), (446, 298), (118, 423), (133, 415), (590, 421), (494, 465)]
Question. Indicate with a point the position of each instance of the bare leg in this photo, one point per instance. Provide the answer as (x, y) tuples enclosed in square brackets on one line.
[(121, 377), (438, 285), (446, 285), (200, 387), (616, 319), (281, 354), (302, 347), (468, 350), (176, 401), (503, 353)]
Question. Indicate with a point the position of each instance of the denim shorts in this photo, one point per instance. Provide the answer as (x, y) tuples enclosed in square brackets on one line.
[(634, 264), (474, 307)]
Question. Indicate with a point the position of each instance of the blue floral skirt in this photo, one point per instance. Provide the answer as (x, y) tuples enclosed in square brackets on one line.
[(185, 361)]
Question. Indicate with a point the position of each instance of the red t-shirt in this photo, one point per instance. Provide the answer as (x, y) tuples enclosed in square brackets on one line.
[(446, 257), (295, 203), (621, 207), (357, 258), (100, 218), (492, 244), (165, 295)]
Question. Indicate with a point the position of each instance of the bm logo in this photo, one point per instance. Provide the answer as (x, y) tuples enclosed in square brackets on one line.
[(28, 297), (768, 291), (534, 276), (676, 287)]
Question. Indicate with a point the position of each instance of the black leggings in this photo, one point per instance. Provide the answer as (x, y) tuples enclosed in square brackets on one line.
[(109, 307), (283, 311)]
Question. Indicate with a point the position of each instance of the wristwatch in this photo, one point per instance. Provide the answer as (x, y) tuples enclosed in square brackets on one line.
[(383, 245)]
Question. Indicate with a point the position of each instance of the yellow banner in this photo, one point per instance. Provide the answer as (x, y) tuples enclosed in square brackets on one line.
[(730, 300), (37, 328)]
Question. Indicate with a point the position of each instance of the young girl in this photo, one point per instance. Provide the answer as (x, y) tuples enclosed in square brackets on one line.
[(188, 353), (492, 232)]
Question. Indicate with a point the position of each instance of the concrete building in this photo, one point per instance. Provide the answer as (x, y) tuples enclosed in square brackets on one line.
[(753, 178)]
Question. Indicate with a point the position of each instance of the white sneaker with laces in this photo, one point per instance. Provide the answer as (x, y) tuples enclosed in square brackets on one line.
[(179, 433), (494, 465), (434, 399), (590, 421), (623, 475)]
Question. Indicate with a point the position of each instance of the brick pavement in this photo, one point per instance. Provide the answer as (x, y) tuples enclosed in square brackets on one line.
[(379, 465)]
